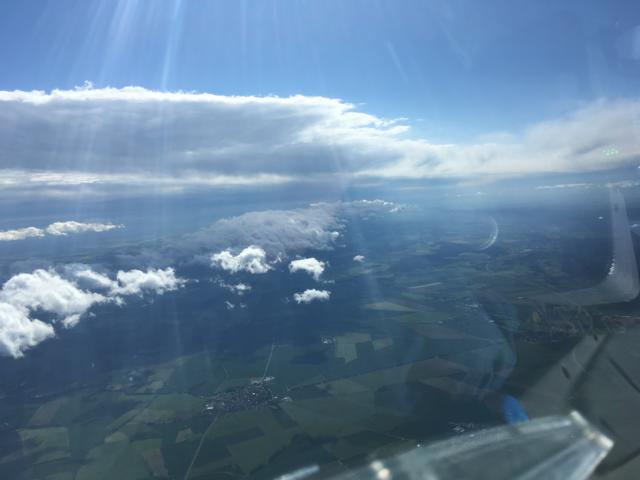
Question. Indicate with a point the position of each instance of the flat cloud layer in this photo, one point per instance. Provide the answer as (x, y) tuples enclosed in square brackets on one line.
[(311, 295), (310, 265), (135, 136), (56, 229), (67, 299), (64, 228)]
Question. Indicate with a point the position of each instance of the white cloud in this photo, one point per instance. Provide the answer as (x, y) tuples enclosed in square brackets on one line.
[(281, 234), (238, 288), (42, 290), (603, 184), (18, 332), (310, 265), (598, 136), (310, 295), (566, 185), (90, 279), (64, 228), (133, 136), (136, 282), (102, 134), (276, 231), (20, 234), (372, 203), (56, 229), (376, 206), (252, 259), (46, 290), (358, 258)]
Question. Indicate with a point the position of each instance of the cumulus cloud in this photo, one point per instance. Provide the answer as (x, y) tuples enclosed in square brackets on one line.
[(27, 294), (281, 234), (137, 282), (310, 265), (56, 229), (18, 332), (46, 290), (358, 258), (88, 278), (135, 136), (252, 259), (275, 231), (20, 234), (311, 295)]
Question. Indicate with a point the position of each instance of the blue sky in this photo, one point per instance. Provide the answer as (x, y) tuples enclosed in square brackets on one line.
[(454, 69)]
